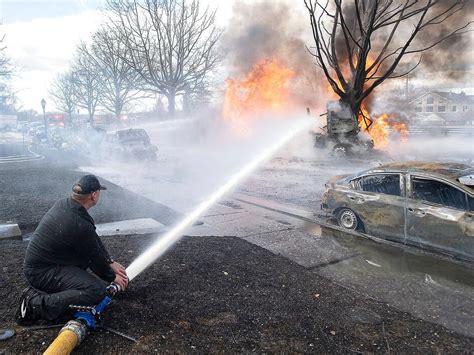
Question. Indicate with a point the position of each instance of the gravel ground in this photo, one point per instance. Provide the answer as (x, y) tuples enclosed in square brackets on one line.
[(208, 294)]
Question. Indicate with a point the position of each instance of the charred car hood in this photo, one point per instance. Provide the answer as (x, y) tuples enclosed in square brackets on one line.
[(340, 179)]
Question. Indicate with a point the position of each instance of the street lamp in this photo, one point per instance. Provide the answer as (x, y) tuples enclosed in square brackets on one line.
[(43, 105)]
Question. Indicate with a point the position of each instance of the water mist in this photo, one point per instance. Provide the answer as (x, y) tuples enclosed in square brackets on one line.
[(176, 233)]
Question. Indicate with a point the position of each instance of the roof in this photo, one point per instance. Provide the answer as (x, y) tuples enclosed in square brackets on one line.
[(450, 96), (450, 170)]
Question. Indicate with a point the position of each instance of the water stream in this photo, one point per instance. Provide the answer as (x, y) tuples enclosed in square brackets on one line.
[(170, 238)]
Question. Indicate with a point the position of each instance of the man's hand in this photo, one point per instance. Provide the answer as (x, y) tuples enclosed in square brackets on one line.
[(121, 277), (121, 281), (118, 269)]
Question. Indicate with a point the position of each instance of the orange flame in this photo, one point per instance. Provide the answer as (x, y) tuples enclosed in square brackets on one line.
[(264, 90), (380, 128)]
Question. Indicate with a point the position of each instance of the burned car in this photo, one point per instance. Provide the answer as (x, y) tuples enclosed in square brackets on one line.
[(129, 143), (423, 204)]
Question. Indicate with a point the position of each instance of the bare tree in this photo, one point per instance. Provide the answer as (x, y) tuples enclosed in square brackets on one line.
[(7, 97), (173, 44), (63, 92), (120, 83), (197, 98), (87, 84), (6, 69), (360, 43)]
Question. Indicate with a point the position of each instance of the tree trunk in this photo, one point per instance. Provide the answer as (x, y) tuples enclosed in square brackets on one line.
[(171, 103), (91, 118), (118, 106), (354, 104)]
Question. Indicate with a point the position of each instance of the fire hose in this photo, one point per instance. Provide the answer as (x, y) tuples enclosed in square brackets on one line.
[(76, 330)]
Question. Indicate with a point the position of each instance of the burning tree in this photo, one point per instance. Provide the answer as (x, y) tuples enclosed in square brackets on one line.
[(172, 43), (360, 43)]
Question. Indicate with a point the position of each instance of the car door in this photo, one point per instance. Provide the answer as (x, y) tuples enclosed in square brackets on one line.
[(379, 201), (438, 217)]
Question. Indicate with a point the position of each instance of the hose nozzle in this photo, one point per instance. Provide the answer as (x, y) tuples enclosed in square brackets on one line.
[(112, 289)]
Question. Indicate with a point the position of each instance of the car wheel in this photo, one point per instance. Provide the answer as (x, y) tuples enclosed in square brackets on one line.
[(341, 150), (346, 218)]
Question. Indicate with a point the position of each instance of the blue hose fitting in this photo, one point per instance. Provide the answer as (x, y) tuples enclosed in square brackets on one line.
[(90, 315)]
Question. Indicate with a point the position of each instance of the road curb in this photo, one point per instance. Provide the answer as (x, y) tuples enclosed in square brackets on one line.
[(21, 158), (10, 231)]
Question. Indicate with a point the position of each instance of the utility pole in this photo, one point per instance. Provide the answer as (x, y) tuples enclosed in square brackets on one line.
[(406, 86), (43, 105)]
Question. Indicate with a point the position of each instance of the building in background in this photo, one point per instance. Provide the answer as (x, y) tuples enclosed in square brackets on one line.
[(438, 107)]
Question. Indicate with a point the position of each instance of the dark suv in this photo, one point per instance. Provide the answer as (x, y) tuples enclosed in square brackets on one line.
[(130, 143)]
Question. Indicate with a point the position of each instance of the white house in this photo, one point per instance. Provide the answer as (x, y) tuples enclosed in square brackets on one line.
[(448, 107)]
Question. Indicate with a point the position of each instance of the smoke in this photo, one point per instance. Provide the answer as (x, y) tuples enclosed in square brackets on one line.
[(265, 30), (194, 158), (453, 57), (274, 30), (434, 145), (447, 62)]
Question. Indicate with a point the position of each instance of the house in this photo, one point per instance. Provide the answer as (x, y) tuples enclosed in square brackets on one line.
[(446, 107)]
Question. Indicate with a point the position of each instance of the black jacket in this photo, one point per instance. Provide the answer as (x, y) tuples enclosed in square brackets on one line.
[(66, 236)]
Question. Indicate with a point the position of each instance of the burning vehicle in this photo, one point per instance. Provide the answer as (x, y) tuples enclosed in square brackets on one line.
[(129, 143), (342, 132), (423, 204)]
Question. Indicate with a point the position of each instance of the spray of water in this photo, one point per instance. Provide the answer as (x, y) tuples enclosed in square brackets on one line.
[(172, 236)]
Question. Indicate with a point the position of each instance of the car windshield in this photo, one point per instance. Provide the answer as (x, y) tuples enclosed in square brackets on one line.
[(467, 180), (132, 135), (381, 183)]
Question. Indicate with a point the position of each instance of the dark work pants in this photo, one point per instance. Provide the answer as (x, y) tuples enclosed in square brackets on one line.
[(62, 286)]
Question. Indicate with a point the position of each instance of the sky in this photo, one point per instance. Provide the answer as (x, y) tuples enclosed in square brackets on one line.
[(41, 37)]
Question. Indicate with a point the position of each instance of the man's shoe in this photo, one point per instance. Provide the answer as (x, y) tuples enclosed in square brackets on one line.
[(24, 314)]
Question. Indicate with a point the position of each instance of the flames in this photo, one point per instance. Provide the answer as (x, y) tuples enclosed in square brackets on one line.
[(264, 90), (380, 127)]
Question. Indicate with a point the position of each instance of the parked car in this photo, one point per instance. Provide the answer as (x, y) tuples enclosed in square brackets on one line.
[(129, 143), (425, 204), (33, 127), (23, 127), (39, 136)]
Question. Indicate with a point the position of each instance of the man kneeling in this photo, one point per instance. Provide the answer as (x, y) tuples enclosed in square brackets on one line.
[(63, 247)]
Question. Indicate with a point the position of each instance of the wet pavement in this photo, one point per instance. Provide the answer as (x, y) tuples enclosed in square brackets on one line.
[(430, 288)]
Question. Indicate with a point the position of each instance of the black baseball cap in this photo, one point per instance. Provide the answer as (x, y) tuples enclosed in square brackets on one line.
[(87, 184)]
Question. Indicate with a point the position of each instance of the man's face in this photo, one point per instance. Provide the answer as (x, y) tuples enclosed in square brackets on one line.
[(95, 197)]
